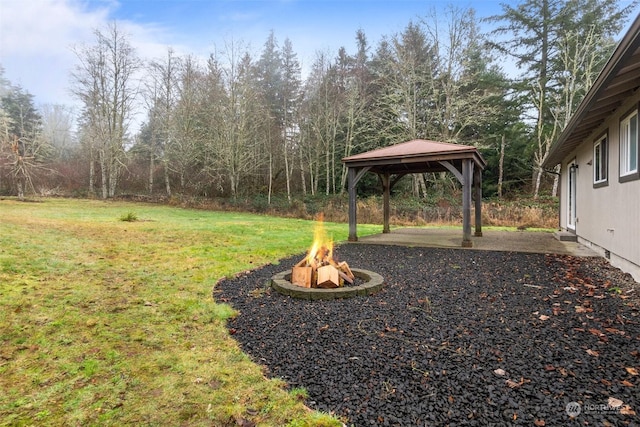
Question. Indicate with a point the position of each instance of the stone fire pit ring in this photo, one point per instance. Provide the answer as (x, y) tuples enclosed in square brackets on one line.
[(373, 283)]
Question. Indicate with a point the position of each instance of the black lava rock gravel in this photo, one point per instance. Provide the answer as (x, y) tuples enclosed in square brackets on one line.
[(455, 337)]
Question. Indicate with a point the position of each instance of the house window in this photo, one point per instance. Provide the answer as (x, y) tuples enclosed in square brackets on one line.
[(629, 147), (600, 161)]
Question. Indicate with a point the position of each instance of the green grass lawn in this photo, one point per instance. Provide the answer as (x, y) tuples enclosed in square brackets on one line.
[(111, 322)]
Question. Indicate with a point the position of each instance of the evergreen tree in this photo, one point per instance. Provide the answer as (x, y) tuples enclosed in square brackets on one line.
[(290, 101), (557, 44)]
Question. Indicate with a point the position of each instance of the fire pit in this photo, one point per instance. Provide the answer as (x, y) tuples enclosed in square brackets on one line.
[(319, 276), (281, 282)]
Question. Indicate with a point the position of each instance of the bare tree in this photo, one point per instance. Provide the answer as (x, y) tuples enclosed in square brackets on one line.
[(5, 124), (57, 129), (581, 55), (235, 118), (322, 108), (22, 147), (162, 91), (104, 83), (462, 98), (185, 150)]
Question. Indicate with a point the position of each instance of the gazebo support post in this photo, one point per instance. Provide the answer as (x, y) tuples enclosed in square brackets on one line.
[(353, 176), (353, 207), (467, 171), (386, 191), (477, 184)]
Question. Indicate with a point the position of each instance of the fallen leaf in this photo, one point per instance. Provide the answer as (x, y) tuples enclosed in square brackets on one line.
[(614, 403), (632, 371), (614, 331), (626, 410), (500, 372), (580, 309), (549, 368), (606, 382), (626, 383), (596, 332), (544, 317), (512, 384), (593, 353), (539, 423)]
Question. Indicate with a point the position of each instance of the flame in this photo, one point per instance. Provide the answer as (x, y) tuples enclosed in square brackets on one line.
[(322, 247)]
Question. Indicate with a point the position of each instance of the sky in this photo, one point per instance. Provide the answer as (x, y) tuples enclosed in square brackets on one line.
[(38, 37)]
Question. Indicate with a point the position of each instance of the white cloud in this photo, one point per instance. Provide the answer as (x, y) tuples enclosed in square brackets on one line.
[(31, 27), (37, 40)]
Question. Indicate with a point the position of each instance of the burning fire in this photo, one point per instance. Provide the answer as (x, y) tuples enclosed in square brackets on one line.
[(322, 248), (318, 269)]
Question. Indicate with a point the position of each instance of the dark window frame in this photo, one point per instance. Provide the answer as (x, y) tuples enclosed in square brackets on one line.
[(633, 176), (603, 142)]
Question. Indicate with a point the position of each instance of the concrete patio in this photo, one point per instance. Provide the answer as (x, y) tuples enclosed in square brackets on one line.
[(492, 240)]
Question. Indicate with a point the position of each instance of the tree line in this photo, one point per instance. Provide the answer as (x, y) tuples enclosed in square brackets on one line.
[(241, 125)]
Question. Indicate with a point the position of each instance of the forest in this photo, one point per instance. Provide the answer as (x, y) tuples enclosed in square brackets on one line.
[(239, 125)]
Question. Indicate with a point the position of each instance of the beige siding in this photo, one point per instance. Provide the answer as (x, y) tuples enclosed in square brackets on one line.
[(608, 218)]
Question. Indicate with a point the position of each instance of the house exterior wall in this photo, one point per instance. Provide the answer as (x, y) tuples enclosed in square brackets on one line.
[(607, 217)]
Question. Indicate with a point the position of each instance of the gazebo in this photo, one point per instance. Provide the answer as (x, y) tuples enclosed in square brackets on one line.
[(419, 156)]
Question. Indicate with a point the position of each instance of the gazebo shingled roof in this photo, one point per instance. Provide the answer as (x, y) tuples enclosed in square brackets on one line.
[(419, 156)]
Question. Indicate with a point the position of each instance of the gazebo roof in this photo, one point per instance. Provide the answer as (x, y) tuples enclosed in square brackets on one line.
[(414, 156)]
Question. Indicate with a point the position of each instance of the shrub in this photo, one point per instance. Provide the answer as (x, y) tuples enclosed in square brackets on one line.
[(129, 217)]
